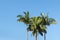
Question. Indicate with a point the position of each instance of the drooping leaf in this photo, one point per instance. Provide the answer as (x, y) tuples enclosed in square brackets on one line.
[(34, 32)]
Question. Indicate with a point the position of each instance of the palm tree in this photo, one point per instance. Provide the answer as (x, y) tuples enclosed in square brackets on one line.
[(46, 21), (24, 19), (36, 27)]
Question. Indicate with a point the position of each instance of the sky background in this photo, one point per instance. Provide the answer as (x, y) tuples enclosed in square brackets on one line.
[(10, 29)]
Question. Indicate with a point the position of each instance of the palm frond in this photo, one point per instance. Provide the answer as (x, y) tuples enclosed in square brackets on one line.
[(19, 15), (52, 21)]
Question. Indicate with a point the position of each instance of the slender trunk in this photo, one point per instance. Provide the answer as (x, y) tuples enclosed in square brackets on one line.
[(36, 35), (26, 35), (44, 36)]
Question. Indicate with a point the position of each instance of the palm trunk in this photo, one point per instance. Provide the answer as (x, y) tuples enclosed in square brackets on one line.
[(36, 35), (44, 36), (26, 35)]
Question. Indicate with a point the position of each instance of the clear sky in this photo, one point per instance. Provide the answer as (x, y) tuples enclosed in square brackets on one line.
[(10, 29)]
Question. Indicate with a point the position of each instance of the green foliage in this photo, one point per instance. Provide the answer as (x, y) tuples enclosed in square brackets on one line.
[(24, 19), (36, 24), (52, 21)]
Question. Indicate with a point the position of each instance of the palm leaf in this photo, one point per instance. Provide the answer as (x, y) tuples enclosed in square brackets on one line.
[(52, 21)]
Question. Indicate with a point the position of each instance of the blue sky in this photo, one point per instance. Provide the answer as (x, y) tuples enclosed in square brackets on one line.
[(10, 29)]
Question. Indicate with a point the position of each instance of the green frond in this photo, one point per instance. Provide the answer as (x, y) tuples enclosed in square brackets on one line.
[(40, 32), (19, 16), (34, 32), (52, 21)]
